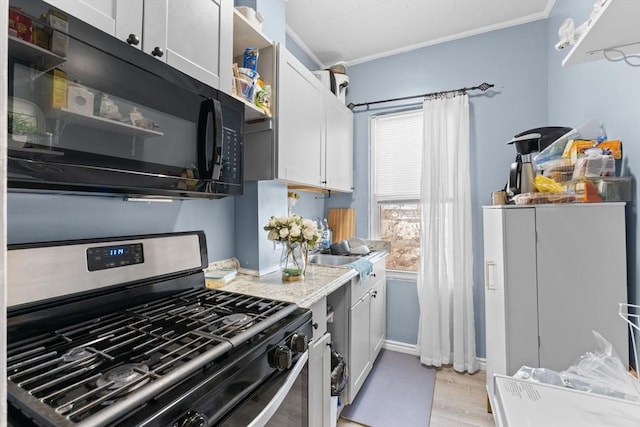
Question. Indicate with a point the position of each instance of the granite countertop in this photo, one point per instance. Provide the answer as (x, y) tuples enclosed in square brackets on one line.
[(319, 281)]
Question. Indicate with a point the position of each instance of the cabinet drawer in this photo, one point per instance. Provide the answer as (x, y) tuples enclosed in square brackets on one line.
[(358, 288)]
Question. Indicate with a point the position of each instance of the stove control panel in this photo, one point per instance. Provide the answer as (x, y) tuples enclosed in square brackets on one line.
[(104, 257)]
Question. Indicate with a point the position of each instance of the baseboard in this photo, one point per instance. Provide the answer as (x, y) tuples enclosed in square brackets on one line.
[(412, 349), (401, 347), (482, 363)]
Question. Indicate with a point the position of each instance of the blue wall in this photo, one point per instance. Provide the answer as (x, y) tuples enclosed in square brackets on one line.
[(40, 217), (513, 59), (608, 92)]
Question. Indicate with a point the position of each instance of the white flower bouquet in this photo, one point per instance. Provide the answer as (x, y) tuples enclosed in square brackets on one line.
[(293, 229), (298, 235)]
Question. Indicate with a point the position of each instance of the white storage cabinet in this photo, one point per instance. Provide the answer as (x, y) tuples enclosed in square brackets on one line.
[(553, 273)]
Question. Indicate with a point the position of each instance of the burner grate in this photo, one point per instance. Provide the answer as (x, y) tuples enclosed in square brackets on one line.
[(69, 371)]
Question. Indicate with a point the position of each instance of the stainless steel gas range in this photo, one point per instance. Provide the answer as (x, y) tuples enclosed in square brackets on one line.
[(123, 332)]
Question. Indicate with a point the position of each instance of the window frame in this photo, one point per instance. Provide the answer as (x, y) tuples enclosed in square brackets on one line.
[(374, 203)]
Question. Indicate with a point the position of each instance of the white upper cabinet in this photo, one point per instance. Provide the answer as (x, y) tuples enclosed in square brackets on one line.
[(300, 147), (194, 36), (614, 30), (338, 144), (101, 14)]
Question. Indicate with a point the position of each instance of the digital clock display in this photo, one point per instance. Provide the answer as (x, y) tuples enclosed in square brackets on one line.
[(104, 257)]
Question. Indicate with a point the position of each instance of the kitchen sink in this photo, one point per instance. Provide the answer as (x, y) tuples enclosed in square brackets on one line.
[(333, 260)]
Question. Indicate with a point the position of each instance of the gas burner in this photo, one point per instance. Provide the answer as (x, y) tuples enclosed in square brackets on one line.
[(123, 376), (237, 319), (76, 354)]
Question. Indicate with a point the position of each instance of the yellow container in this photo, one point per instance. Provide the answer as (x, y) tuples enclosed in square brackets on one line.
[(55, 89)]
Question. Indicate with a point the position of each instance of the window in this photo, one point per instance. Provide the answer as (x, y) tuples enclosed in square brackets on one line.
[(396, 159)]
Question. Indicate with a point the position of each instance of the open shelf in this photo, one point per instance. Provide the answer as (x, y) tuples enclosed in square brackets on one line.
[(615, 27), (245, 35), (251, 111), (102, 123), (42, 59)]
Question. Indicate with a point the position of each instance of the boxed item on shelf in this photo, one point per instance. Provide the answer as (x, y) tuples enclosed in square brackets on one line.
[(615, 189), (543, 198)]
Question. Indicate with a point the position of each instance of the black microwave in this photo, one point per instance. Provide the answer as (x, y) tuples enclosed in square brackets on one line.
[(87, 113)]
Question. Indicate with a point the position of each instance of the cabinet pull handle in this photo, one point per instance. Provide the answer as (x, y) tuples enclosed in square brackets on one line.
[(157, 51), (490, 275), (133, 40)]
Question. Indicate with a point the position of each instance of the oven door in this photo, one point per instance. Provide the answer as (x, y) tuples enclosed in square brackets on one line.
[(281, 402)]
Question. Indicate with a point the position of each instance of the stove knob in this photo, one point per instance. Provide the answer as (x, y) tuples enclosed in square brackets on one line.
[(280, 357), (192, 419), (299, 343)]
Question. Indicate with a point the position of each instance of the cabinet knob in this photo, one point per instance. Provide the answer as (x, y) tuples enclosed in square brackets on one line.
[(133, 40), (315, 325), (373, 274), (157, 51), (374, 294)]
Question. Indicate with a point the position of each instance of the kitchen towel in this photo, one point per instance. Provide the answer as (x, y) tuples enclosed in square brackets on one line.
[(363, 266), (397, 393)]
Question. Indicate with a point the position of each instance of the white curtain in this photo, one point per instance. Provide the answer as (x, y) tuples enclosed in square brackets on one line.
[(446, 332)]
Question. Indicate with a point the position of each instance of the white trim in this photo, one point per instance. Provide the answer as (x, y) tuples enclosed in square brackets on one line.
[(482, 363), (458, 36), (303, 46), (413, 350), (401, 347), (402, 276)]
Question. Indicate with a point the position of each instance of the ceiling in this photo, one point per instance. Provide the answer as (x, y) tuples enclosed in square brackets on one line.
[(356, 31)]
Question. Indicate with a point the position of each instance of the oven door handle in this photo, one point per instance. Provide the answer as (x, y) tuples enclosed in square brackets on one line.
[(265, 415)]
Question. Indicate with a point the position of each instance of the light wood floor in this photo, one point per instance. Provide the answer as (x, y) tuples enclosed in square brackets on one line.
[(459, 400)]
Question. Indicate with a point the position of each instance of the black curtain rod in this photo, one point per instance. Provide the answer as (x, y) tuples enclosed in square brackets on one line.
[(483, 87)]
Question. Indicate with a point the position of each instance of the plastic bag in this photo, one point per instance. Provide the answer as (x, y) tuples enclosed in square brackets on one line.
[(338, 373), (539, 375), (602, 372), (547, 185)]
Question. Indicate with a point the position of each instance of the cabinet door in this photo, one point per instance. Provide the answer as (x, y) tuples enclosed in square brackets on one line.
[(581, 280), (378, 317), (320, 382), (339, 144), (192, 36), (300, 132), (359, 345), (102, 14), (128, 15), (511, 321)]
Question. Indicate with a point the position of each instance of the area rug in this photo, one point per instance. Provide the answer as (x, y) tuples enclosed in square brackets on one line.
[(398, 392)]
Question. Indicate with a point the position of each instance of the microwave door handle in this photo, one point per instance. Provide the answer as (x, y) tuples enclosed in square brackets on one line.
[(218, 141), (206, 110), (265, 415)]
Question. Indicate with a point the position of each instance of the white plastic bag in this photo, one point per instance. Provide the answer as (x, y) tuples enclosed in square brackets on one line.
[(602, 372)]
